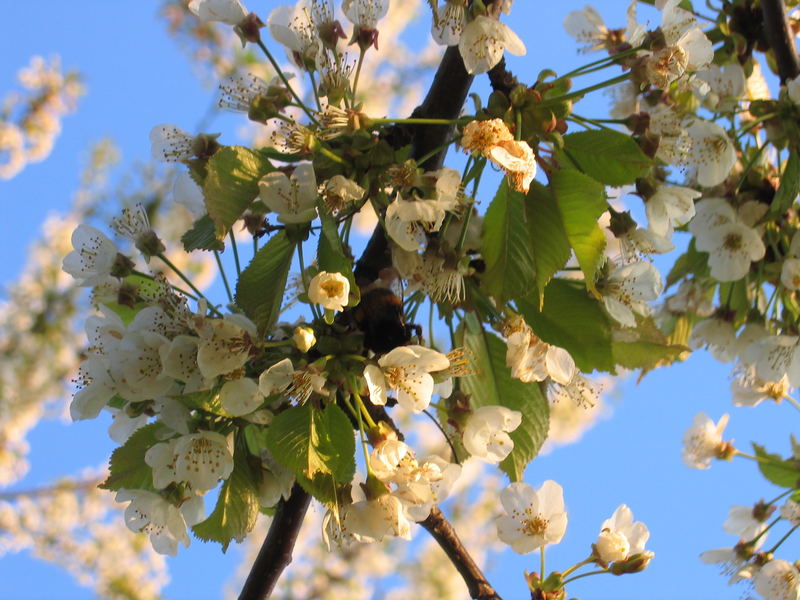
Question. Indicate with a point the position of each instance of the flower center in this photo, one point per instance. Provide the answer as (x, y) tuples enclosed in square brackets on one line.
[(535, 526), (733, 242), (332, 288)]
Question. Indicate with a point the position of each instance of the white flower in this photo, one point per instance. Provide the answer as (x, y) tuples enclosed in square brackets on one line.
[(790, 273), (483, 41), (171, 144), (620, 538), (293, 27), (495, 141), (304, 338), (711, 152), (165, 523), (330, 290), (405, 369), (238, 91), (791, 512), (627, 289), (277, 378), (750, 390), (734, 562), (742, 523), (295, 198), (224, 344), (188, 194), (671, 206), (486, 432), (97, 388), (372, 520), (727, 85), (203, 458), (778, 580), (531, 359), (452, 17), (690, 297), (136, 367), (719, 335), (535, 517), (93, 257), (365, 14), (775, 357), (339, 193), (179, 360), (587, 27), (240, 396), (230, 12), (732, 247), (702, 442)]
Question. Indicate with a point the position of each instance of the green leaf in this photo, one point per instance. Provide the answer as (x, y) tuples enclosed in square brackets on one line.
[(610, 157), (493, 385), (127, 468), (551, 249), (581, 201), (645, 347), (573, 320), (202, 236), (331, 256), (307, 441), (231, 184), (781, 472), (205, 400), (691, 262), (506, 246), (236, 511), (789, 188), (260, 288)]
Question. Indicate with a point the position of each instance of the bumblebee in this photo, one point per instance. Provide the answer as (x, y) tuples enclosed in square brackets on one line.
[(380, 317)]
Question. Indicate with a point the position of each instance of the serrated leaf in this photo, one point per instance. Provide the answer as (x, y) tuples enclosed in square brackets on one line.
[(645, 347), (231, 184), (691, 262), (202, 236), (331, 255), (551, 249), (506, 246), (127, 468), (307, 441), (493, 385), (775, 469), (610, 157), (581, 200), (236, 511), (789, 187), (573, 320), (260, 288)]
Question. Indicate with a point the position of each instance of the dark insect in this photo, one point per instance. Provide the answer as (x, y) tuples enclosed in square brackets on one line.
[(379, 316)]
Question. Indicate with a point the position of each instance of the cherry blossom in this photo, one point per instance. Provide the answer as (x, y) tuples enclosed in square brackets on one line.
[(164, 522), (406, 369), (329, 290), (295, 198), (702, 442), (483, 41), (486, 432), (534, 518), (620, 537)]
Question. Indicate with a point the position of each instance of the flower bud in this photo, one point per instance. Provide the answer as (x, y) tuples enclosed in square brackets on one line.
[(635, 564), (304, 338)]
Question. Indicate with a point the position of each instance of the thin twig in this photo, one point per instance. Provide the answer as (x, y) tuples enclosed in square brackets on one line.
[(276, 551), (442, 531), (780, 38)]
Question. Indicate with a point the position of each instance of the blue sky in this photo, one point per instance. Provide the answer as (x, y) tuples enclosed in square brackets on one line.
[(137, 77)]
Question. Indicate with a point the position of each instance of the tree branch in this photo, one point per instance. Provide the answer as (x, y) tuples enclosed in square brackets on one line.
[(780, 38), (444, 100), (444, 534), (276, 551)]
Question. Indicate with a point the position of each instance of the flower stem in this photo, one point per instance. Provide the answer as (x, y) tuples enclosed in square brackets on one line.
[(235, 254), (598, 64), (224, 277), (285, 81), (358, 73), (783, 539), (598, 572), (325, 151), (577, 566), (188, 282), (174, 287), (584, 91), (302, 262), (751, 457), (541, 563)]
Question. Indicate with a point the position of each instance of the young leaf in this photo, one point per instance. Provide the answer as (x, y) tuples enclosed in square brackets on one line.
[(691, 262), (783, 473), (573, 320), (331, 255), (231, 184), (202, 236), (493, 385), (307, 441), (259, 291), (548, 238), (127, 468), (236, 511), (607, 156), (581, 201), (645, 347), (205, 400), (789, 187), (506, 246)]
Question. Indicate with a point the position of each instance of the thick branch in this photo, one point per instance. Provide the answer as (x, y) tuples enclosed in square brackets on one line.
[(444, 534), (445, 99), (780, 38), (276, 551)]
